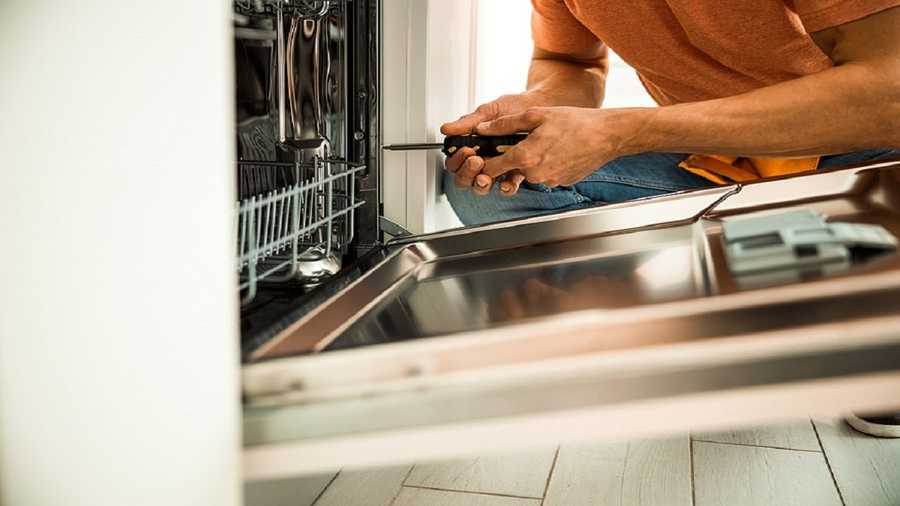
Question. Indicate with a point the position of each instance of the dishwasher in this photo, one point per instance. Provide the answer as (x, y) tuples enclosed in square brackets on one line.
[(735, 304)]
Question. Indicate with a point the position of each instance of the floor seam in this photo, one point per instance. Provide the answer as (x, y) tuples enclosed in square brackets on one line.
[(550, 475), (757, 446), (493, 494), (402, 484), (828, 464), (691, 470), (324, 489), (408, 474)]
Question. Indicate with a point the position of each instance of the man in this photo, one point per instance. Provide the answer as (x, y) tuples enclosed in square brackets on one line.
[(752, 89), (748, 89)]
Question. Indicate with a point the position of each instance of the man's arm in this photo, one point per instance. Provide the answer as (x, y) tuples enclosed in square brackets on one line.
[(554, 79), (577, 80), (854, 105)]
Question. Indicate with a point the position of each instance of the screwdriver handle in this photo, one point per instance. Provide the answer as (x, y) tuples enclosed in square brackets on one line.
[(482, 144)]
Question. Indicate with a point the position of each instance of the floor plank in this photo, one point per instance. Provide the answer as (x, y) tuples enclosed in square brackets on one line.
[(867, 469), (522, 474), (419, 497), (649, 472), (300, 491), (755, 476), (792, 436), (370, 487)]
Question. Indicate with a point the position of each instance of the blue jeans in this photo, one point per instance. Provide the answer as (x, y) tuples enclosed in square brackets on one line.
[(625, 178)]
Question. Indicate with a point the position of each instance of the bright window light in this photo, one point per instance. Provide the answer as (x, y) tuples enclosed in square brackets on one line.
[(503, 42)]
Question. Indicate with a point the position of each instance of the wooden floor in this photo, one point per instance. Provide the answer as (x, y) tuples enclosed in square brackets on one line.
[(817, 463)]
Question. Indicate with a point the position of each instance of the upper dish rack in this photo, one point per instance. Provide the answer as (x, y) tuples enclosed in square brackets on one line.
[(291, 231)]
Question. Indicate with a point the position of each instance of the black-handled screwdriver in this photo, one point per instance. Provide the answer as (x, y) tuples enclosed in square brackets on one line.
[(484, 145)]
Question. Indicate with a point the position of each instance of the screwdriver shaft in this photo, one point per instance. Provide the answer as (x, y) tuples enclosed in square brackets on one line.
[(409, 147)]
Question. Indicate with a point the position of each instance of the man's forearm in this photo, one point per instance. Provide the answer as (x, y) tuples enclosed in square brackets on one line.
[(845, 108), (570, 80)]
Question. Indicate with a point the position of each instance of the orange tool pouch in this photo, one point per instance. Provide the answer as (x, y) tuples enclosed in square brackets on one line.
[(732, 169)]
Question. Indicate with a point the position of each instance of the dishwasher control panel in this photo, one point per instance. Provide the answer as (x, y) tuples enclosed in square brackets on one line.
[(792, 245)]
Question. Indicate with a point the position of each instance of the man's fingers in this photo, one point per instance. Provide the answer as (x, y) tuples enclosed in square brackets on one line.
[(510, 185), (466, 124), (462, 126), (453, 163), (482, 184), (512, 124), (520, 156), (466, 168), (516, 157), (465, 176)]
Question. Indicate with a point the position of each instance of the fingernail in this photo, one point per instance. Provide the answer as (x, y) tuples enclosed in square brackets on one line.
[(505, 189), (479, 183)]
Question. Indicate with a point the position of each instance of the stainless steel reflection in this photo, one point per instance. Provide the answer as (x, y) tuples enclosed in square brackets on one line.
[(453, 295), (314, 60), (298, 83)]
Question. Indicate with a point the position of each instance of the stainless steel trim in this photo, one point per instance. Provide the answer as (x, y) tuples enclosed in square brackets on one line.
[(707, 411), (281, 65)]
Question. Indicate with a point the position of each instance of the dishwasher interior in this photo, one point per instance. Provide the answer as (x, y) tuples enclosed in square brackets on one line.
[(590, 320), (307, 149)]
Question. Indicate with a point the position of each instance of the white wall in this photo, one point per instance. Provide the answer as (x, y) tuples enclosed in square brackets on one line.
[(118, 319), (426, 81)]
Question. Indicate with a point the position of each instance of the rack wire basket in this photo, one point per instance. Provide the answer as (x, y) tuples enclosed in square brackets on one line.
[(289, 213)]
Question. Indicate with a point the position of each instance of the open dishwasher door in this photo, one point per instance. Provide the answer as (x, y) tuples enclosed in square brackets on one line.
[(636, 318)]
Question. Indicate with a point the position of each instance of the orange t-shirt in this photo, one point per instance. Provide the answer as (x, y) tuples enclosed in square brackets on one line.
[(691, 50)]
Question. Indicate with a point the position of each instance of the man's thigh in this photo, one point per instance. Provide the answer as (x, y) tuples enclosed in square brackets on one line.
[(530, 200), (626, 178), (639, 176), (869, 155)]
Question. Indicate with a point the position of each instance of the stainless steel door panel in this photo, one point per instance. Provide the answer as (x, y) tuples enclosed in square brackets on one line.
[(520, 247), (616, 320)]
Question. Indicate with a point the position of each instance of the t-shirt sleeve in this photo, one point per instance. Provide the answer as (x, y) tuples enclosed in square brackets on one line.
[(821, 14), (556, 29)]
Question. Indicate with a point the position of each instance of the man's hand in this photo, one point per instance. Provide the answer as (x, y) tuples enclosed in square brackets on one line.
[(554, 79), (467, 167), (564, 144)]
